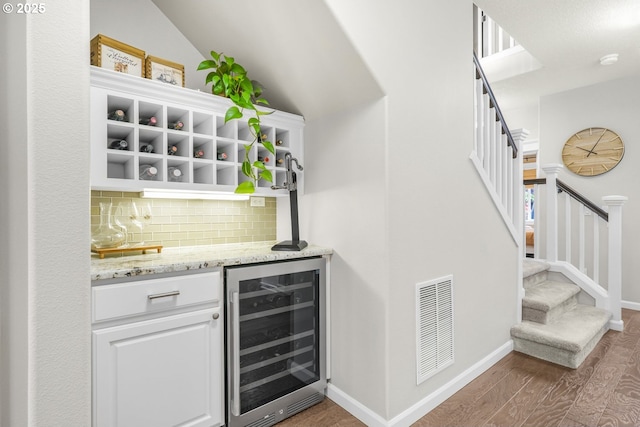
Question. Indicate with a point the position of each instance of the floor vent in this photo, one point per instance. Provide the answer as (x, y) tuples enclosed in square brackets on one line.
[(434, 326)]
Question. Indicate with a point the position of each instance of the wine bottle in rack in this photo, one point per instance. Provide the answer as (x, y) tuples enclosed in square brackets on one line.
[(280, 161), (222, 156), (119, 145), (117, 115), (146, 148), (262, 137), (279, 142), (177, 125), (174, 174), (198, 154), (148, 172), (172, 150), (264, 159), (149, 121)]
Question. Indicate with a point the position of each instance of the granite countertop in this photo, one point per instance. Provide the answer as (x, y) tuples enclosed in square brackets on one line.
[(193, 258)]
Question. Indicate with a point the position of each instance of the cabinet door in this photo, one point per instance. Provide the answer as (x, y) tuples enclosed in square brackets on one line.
[(160, 372)]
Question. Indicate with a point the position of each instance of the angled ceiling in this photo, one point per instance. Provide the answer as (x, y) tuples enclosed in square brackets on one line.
[(568, 38), (295, 48)]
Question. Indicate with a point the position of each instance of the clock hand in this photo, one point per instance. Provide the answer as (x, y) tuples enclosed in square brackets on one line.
[(584, 149), (594, 145)]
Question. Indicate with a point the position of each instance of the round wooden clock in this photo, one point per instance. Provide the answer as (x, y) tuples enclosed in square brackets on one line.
[(593, 151)]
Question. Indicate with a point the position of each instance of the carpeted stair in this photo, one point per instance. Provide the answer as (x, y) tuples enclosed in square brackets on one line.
[(555, 327)]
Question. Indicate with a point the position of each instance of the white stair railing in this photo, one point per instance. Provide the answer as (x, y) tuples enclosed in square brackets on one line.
[(572, 220), (496, 156), (490, 38)]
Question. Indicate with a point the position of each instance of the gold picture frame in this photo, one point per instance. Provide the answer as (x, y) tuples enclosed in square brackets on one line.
[(117, 56), (164, 71)]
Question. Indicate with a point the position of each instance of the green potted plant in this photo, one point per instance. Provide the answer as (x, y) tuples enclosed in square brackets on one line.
[(229, 79)]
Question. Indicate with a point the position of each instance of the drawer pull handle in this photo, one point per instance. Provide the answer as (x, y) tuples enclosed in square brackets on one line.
[(164, 295)]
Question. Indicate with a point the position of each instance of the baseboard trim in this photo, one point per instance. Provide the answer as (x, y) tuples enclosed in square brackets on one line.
[(355, 408), (630, 305), (424, 406)]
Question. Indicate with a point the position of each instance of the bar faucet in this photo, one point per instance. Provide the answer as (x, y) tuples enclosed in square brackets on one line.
[(291, 182)]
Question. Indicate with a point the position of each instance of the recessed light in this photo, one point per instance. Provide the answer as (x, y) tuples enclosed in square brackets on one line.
[(609, 59)]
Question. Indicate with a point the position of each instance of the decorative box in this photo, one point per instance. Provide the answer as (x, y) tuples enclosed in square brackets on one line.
[(117, 56), (164, 71)]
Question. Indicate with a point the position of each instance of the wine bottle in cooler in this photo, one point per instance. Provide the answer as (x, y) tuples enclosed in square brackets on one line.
[(198, 154), (172, 150), (221, 156), (177, 125)]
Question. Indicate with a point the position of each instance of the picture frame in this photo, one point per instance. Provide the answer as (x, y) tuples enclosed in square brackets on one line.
[(164, 71), (117, 56)]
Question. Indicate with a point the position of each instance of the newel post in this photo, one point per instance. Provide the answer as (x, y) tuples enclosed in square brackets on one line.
[(551, 171), (615, 259)]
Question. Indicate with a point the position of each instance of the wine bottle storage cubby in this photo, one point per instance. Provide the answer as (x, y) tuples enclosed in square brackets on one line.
[(136, 123)]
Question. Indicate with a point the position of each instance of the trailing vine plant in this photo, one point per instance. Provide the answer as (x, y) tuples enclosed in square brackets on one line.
[(229, 79)]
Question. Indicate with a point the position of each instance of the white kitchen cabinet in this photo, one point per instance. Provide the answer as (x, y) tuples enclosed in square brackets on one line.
[(158, 352), (208, 152)]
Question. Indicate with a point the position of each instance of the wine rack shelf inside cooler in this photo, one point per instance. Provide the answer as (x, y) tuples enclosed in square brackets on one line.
[(187, 132)]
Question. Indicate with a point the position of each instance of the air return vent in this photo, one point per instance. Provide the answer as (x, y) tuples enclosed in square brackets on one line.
[(434, 326)]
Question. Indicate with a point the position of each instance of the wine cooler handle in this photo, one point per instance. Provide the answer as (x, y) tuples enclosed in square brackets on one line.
[(235, 353)]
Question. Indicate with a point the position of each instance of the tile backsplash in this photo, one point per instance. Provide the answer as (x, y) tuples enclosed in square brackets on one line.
[(176, 222)]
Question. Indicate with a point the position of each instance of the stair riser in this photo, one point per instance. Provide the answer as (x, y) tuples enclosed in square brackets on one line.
[(546, 317), (535, 279), (555, 355)]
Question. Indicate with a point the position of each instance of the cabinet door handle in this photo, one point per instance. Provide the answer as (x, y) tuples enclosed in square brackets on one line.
[(164, 295)]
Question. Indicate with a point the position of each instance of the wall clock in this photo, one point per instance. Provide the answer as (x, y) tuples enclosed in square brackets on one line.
[(593, 151)]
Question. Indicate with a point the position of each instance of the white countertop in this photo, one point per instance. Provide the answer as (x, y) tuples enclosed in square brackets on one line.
[(193, 258)]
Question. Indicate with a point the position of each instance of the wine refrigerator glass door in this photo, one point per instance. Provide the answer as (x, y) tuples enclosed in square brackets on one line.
[(276, 335)]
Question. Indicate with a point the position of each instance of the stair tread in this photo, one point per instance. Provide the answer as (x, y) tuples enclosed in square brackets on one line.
[(531, 267), (571, 332), (549, 294)]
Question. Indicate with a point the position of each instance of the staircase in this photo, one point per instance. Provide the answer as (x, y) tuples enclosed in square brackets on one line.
[(555, 326)]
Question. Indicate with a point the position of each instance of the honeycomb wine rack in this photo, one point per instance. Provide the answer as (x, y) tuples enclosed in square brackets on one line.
[(208, 152)]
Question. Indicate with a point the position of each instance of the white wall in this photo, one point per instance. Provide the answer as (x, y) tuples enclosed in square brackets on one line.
[(45, 227), (344, 207), (139, 23), (613, 105), (401, 203)]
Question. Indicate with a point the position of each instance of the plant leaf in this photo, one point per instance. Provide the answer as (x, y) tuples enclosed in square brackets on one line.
[(258, 164), (237, 68), (269, 146), (245, 187), (215, 55), (246, 169), (232, 113), (266, 175), (207, 64)]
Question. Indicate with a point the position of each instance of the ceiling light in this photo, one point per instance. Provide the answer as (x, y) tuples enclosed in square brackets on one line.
[(609, 59), (178, 194)]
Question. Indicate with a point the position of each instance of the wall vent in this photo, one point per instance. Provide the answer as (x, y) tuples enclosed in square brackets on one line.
[(434, 326)]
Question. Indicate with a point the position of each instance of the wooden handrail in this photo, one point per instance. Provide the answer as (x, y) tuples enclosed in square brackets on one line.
[(485, 83), (573, 193)]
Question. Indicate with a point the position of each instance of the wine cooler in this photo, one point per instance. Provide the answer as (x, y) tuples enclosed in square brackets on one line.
[(275, 340)]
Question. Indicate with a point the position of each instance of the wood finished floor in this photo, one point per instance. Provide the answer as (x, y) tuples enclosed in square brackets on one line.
[(523, 391)]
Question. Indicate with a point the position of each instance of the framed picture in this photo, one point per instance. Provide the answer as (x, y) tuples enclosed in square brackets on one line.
[(164, 71), (117, 56)]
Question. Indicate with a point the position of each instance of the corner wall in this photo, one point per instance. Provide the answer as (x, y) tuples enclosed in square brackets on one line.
[(401, 203), (47, 331)]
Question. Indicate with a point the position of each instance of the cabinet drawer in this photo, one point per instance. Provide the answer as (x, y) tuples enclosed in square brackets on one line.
[(150, 296)]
